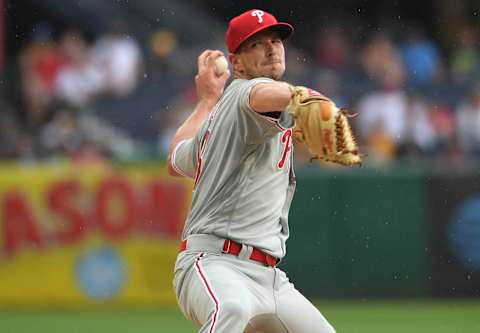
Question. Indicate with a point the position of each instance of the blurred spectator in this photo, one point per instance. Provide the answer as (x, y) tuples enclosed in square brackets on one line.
[(47, 60), (61, 135), (58, 82), (79, 80), (380, 55), (76, 135), (111, 141), (117, 58), (383, 113), (421, 57), (468, 122), (39, 65), (420, 136), (163, 45), (443, 122), (333, 48), (465, 57)]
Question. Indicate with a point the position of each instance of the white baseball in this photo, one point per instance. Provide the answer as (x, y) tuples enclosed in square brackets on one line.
[(221, 65)]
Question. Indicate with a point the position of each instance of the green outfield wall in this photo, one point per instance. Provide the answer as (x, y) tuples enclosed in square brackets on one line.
[(360, 234)]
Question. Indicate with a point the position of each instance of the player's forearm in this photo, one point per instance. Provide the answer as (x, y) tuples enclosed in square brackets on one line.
[(188, 130), (191, 126), (269, 97)]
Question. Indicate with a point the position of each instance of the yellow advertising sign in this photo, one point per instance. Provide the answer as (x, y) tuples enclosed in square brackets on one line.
[(83, 235)]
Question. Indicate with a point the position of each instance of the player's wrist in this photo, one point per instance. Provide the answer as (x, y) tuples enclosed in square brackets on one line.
[(206, 104)]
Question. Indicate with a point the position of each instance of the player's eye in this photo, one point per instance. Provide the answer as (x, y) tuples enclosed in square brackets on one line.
[(253, 45)]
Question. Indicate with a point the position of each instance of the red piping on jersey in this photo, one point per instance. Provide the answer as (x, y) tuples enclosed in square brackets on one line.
[(199, 169), (200, 152), (210, 291)]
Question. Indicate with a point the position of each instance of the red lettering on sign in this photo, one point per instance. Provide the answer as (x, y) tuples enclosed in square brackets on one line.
[(19, 225), (164, 208), (114, 207), (287, 141), (60, 200), (111, 220)]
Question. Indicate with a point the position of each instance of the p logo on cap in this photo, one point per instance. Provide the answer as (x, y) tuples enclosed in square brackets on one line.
[(249, 23), (259, 14)]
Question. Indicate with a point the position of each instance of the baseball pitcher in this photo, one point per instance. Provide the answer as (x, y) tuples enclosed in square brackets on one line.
[(237, 147)]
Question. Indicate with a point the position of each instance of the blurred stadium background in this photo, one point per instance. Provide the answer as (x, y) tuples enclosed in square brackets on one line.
[(92, 91)]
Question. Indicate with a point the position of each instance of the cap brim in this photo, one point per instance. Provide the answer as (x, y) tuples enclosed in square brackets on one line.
[(284, 29)]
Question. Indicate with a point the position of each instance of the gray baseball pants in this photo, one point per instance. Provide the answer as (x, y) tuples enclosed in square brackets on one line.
[(223, 293)]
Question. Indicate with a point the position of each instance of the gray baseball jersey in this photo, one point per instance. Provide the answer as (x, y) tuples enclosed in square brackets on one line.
[(242, 165)]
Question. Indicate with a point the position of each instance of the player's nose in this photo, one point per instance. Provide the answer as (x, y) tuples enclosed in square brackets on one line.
[(272, 48), (271, 51)]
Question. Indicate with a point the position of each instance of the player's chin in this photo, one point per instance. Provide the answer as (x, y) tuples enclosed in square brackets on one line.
[(275, 72)]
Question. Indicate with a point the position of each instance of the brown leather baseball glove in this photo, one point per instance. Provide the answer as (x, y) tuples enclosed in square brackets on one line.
[(323, 127)]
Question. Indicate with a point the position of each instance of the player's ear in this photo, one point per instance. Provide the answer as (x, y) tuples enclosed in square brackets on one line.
[(236, 63)]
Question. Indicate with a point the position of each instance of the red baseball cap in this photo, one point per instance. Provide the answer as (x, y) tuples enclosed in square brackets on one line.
[(249, 23)]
